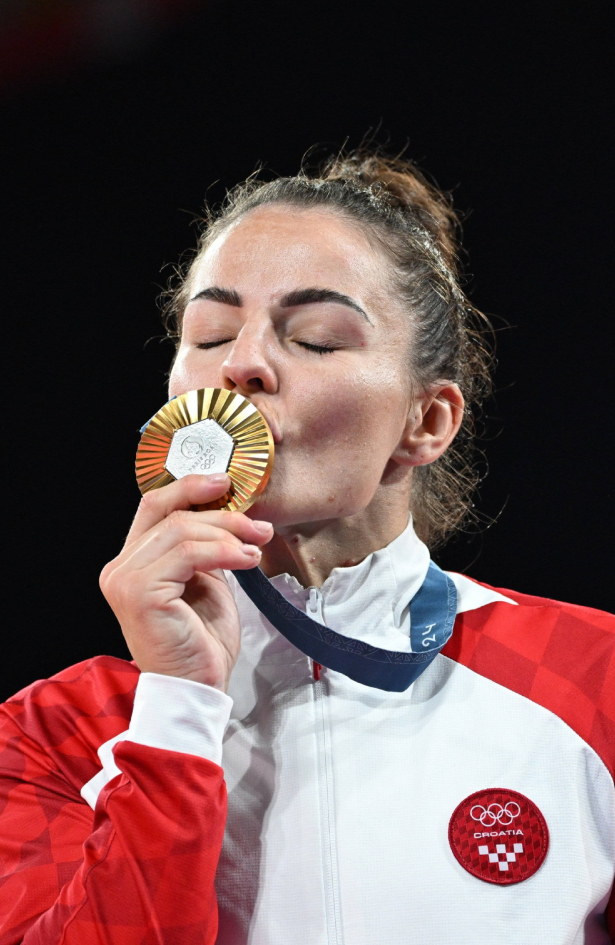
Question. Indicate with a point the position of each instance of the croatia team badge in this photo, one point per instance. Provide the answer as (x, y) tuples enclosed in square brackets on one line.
[(499, 836)]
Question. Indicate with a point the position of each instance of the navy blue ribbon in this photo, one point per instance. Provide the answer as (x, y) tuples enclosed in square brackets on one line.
[(432, 615)]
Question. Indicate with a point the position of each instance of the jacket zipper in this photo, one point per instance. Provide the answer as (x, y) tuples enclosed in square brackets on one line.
[(333, 914), (314, 609)]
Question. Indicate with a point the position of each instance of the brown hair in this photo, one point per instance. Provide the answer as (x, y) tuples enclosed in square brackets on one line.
[(414, 224)]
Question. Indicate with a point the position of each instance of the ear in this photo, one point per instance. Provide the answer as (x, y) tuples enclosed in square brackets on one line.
[(432, 425)]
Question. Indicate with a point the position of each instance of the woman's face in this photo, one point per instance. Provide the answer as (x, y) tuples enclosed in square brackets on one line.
[(293, 309)]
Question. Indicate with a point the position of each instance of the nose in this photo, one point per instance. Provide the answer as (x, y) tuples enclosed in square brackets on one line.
[(248, 368)]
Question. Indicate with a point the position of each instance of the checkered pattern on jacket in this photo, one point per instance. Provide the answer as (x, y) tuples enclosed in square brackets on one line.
[(140, 869), (560, 656)]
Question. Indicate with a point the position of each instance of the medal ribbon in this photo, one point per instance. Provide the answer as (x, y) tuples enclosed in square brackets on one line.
[(432, 615)]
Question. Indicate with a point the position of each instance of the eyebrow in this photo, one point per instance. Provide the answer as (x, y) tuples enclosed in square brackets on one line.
[(216, 294), (309, 296)]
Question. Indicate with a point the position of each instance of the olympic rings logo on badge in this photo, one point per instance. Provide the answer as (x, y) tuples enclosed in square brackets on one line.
[(496, 814)]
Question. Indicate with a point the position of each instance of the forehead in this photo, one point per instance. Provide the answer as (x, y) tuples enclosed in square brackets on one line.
[(278, 249)]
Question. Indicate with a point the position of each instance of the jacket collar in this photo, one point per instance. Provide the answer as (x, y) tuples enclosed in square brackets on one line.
[(370, 600)]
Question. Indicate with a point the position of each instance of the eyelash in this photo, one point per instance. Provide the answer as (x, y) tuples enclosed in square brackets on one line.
[(318, 349)]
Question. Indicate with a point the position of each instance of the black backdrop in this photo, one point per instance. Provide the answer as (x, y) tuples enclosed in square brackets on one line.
[(107, 162)]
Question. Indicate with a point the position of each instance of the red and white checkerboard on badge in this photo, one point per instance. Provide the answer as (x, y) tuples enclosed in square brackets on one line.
[(499, 836), (502, 856)]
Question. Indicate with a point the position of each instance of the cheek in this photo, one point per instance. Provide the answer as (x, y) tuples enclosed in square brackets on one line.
[(187, 375), (354, 409)]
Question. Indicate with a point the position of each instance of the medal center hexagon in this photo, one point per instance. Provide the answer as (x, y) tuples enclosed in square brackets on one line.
[(203, 447)]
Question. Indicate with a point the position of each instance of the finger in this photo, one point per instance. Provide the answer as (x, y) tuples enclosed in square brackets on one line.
[(182, 526), (237, 523), (180, 564), (181, 494)]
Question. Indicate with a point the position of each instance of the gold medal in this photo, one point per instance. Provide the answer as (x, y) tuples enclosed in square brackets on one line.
[(208, 431)]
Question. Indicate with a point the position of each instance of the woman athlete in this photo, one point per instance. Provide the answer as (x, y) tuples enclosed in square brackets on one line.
[(224, 787)]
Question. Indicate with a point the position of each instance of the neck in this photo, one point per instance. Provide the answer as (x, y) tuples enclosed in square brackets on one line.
[(310, 551)]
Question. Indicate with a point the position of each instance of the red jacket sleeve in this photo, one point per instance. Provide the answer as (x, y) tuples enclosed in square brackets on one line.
[(139, 869)]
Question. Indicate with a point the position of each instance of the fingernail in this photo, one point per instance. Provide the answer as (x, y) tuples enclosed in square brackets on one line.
[(218, 479), (263, 527), (252, 551)]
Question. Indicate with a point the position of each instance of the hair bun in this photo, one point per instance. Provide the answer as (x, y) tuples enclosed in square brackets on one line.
[(405, 188)]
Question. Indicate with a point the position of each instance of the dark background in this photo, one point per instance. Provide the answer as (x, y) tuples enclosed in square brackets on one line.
[(110, 145)]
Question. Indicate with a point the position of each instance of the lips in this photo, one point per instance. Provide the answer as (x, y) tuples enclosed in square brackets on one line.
[(273, 424)]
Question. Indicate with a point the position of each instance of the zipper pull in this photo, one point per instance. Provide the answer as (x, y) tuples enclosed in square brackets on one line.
[(312, 600), (314, 606)]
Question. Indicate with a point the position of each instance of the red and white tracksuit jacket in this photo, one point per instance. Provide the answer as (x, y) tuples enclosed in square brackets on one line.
[(294, 811)]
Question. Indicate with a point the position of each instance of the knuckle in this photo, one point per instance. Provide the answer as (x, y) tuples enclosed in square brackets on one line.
[(108, 576), (186, 549), (177, 521), (233, 517), (234, 522), (218, 550), (176, 516), (103, 578), (150, 500), (241, 517), (118, 591)]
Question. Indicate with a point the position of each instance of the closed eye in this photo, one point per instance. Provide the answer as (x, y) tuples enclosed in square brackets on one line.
[(213, 344), (320, 349)]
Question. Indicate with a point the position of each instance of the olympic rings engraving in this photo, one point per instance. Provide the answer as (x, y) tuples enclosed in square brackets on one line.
[(495, 813)]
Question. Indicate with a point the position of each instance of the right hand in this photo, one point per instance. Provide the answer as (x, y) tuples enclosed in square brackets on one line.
[(166, 586)]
